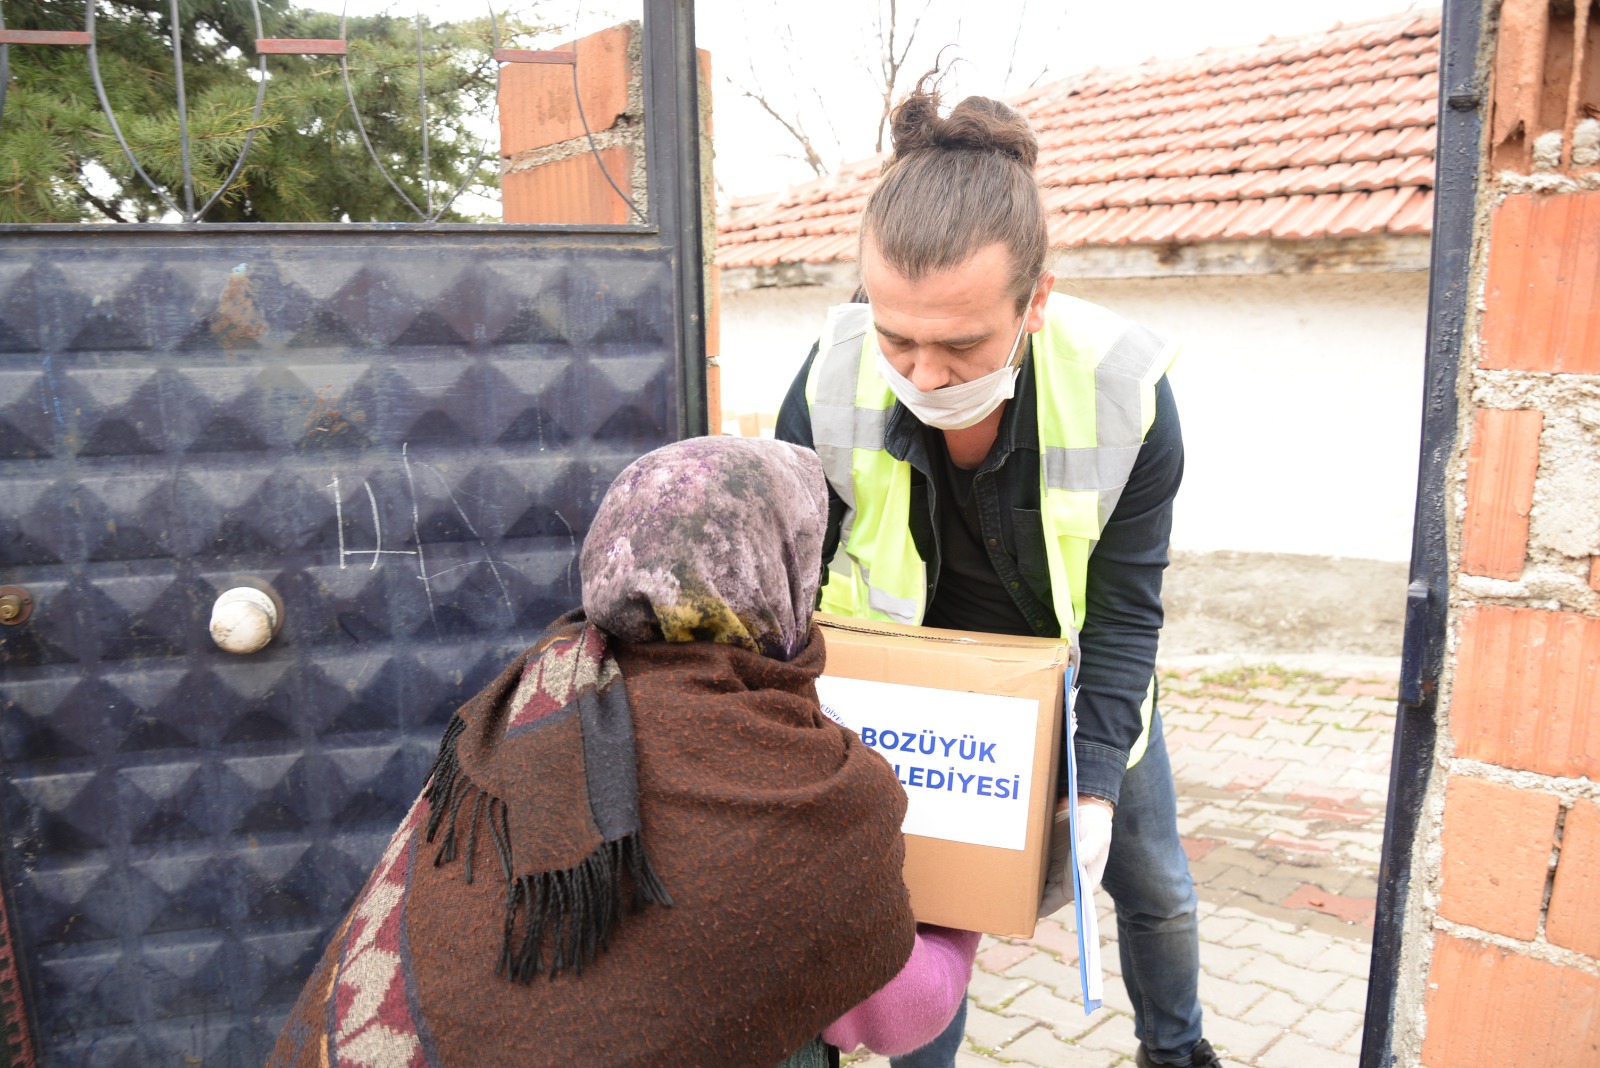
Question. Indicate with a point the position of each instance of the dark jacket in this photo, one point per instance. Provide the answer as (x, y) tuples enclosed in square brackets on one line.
[(1123, 595)]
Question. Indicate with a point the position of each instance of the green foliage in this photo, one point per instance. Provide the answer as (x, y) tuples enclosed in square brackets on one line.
[(306, 160)]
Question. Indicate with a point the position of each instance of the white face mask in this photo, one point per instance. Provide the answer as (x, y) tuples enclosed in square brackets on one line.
[(959, 406)]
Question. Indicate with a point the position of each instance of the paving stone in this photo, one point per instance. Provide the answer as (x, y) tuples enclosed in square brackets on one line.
[(1318, 697), (995, 991), (1271, 804), (991, 1030), (966, 1059), (1333, 717), (1273, 938), (1292, 1051), (1063, 1015), (1114, 1034), (1231, 706), (1046, 970), (1326, 794), (1001, 956), (1236, 743), (1225, 962), (1276, 1009), (1114, 996), (1350, 996), (1186, 716), (1228, 997), (1328, 1029), (1191, 764), (1043, 1049), (1277, 730), (1303, 984), (1241, 1041), (1183, 738), (1059, 939), (1354, 910), (1288, 710), (1344, 958)]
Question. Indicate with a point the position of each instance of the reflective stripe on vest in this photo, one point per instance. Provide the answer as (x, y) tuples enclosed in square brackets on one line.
[(1094, 376)]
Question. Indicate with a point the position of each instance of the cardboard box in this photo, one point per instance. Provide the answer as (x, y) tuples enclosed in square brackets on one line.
[(972, 725)]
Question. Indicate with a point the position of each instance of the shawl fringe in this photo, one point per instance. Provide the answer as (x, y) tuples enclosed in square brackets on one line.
[(574, 908)]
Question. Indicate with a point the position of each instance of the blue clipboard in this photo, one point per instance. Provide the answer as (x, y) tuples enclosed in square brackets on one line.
[(1090, 972)]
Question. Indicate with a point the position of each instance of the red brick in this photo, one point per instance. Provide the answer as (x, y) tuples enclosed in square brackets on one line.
[(1527, 691), (1543, 296), (1486, 1006), (1573, 920), (713, 310), (537, 108), (1520, 111), (1497, 842), (571, 190), (1350, 909), (1500, 471)]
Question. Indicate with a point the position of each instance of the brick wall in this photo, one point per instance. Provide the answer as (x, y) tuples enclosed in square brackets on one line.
[(550, 172), (548, 169), (1512, 940)]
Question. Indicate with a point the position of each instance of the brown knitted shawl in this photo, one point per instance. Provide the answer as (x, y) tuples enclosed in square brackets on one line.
[(775, 834)]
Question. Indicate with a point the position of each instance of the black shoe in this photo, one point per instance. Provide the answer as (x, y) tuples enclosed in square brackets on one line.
[(1202, 1056)]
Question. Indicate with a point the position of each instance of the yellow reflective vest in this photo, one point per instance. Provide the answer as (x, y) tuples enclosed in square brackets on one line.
[(1095, 375)]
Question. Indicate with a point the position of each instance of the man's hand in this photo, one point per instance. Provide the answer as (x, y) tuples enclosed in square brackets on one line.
[(1094, 842)]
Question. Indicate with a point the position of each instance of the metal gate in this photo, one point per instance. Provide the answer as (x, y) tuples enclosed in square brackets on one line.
[(1461, 103), (403, 432)]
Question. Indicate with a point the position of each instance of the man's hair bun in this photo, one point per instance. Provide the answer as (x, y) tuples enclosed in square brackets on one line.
[(977, 124)]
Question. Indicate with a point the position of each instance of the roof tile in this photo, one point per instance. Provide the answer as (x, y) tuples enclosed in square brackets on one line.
[(1328, 135)]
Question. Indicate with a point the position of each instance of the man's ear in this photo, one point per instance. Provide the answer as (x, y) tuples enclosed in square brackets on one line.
[(1036, 303)]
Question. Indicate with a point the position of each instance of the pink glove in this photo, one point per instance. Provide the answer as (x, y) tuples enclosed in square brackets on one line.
[(911, 1010)]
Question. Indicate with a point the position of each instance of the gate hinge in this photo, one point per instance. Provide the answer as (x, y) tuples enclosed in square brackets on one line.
[(1419, 599)]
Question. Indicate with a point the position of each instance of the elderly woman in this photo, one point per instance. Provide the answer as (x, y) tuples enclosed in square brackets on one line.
[(643, 844)]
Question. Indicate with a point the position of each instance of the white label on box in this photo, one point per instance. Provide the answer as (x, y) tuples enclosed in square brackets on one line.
[(965, 760)]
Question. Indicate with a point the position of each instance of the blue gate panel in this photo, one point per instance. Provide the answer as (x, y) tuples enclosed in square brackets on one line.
[(406, 439)]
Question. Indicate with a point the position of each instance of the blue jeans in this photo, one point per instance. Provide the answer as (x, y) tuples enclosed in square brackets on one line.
[(1158, 931)]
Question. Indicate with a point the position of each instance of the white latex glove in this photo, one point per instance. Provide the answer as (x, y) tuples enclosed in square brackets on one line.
[(1094, 841), (1094, 836)]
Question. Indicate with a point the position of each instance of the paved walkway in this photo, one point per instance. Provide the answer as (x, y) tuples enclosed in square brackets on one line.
[(1282, 776)]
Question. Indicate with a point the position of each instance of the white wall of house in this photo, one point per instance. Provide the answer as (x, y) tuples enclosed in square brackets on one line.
[(766, 334), (1300, 396)]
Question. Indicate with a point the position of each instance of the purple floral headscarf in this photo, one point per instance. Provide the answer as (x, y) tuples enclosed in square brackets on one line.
[(710, 539)]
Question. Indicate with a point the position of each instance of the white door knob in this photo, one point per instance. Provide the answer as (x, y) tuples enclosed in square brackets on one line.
[(244, 620)]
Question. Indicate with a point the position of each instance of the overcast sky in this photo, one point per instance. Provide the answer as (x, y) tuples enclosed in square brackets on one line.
[(813, 59)]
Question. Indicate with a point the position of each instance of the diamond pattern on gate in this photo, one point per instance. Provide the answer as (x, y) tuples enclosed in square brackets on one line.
[(409, 450)]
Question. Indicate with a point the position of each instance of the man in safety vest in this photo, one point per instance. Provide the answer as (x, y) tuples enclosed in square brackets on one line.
[(1003, 458)]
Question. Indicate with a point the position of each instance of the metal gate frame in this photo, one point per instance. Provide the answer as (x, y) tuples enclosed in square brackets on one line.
[(1462, 96)]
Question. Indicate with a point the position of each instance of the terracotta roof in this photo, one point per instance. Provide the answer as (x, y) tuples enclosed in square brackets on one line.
[(1329, 135)]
